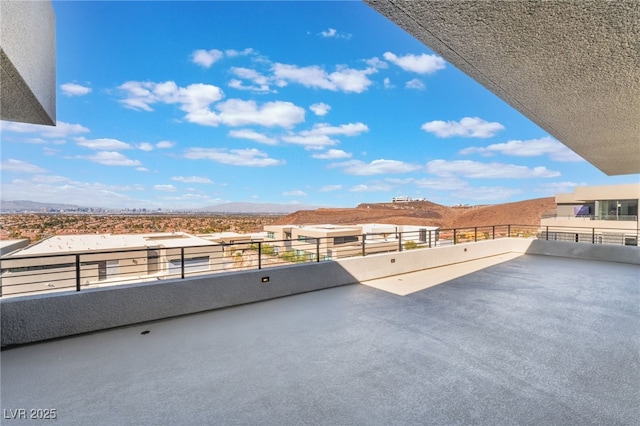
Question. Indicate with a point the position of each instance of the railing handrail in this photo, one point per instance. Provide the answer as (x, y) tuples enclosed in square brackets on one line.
[(18, 256), (366, 243)]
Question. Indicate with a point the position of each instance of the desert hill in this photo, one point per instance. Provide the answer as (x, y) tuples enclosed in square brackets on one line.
[(527, 212)]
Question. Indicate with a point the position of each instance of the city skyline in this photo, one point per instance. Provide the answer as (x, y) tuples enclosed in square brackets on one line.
[(184, 105)]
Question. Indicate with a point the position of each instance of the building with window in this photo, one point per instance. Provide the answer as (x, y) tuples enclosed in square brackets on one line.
[(604, 213), (339, 241), (106, 259)]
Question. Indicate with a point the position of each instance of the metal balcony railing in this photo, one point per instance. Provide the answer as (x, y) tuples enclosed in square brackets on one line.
[(23, 275)]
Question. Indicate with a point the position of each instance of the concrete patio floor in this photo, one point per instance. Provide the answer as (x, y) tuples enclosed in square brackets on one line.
[(534, 340)]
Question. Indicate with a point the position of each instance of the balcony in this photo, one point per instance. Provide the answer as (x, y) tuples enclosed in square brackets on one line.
[(498, 331)]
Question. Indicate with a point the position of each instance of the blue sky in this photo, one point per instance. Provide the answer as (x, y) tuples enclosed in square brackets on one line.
[(185, 105)]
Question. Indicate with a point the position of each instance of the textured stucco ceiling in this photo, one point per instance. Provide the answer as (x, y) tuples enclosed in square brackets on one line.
[(571, 66), (28, 62)]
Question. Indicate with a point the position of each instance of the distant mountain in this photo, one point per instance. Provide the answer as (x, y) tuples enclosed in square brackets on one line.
[(261, 208), (34, 206), (25, 206)]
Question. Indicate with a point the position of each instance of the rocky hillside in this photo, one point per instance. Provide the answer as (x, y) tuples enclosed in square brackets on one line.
[(527, 212)]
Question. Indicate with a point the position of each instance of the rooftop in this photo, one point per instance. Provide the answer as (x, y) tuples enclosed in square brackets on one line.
[(531, 340), (98, 242)]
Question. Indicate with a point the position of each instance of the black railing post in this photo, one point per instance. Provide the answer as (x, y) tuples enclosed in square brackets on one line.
[(454, 236), (77, 271), (259, 254), (429, 238), (317, 249), (593, 235), (182, 262), (475, 234), (508, 231), (364, 237), (399, 241), (493, 232), (547, 234)]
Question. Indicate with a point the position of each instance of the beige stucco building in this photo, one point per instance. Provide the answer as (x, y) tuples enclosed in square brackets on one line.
[(339, 241), (106, 259), (600, 213)]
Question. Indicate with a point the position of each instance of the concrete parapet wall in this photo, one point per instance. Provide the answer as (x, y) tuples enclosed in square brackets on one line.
[(34, 318), (389, 264), (604, 252)]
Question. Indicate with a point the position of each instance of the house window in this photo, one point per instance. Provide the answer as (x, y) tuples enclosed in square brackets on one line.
[(304, 238), (39, 267), (345, 239), (271, 235)]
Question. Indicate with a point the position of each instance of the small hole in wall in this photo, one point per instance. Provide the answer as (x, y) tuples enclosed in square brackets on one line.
[(465, 249), (393, 261), (145, 332), (265, 279)]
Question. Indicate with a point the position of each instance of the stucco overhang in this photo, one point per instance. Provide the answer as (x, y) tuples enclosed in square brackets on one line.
[(28, 62), (571, 66)]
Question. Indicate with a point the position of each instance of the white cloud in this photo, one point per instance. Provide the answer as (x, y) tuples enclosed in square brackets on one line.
[(234, 157), (309, 140), (166, 188), (376, 167), (528, 148), (370, 188), (140, 95), (61, 129), (473, 169), (332, 154), (192, 179), (206, 58), (236, 112), (329, 188), (252, 135), (20, 166), (559, 187), (145, 146), (260, 82), (112, 158), (351, 129), (329, 33), (468, 127), (486, 193), (294, 193), (333, 33), (421, 64), (415, 84), (73, 89), (376, 62), (451, 183), (344, 79), (142, 169), (196, 99), (233, 53), (103, 144), (38, 141), (237, 84), (165, 144), (387, 83), (319, 136), (320, 109), (46, 188)]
